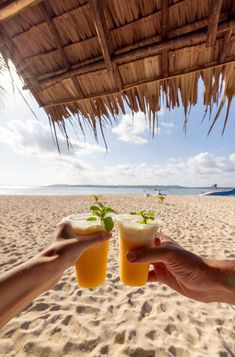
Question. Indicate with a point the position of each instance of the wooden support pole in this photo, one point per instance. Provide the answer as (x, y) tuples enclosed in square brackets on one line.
[(213, 21), (104, 40), (15, 7), (138, 84)]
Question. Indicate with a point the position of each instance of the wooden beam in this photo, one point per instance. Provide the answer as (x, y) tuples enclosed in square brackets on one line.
[(141, 83), (165, 63), (105, 41), (164, 29), (213, 21), (14, 8), (165, 17), (148, 51), (225, 46), (183, 30), (46, 9), (184, 41)]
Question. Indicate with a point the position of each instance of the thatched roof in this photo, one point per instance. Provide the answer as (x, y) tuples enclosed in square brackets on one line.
[(93, 58)]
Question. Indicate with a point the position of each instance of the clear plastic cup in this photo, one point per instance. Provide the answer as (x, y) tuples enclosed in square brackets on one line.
[(133, 235), (91, 266)]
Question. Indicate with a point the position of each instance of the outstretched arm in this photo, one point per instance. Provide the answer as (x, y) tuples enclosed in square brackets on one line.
[(21, 285), (201, 279)]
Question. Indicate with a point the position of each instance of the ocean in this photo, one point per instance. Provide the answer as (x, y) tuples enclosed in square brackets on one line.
[(99, 190)]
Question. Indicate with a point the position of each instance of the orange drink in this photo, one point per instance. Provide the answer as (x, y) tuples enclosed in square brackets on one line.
[(133, 235), (91, 266)]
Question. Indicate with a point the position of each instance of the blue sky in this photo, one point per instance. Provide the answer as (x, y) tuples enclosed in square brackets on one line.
[(29, 156)]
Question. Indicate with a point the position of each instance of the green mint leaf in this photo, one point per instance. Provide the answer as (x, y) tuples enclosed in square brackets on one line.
[(109, 210), (140, 213), (95, 208), (150, 214), (91, 219), (108, 223), (133, 213), (99, 214)]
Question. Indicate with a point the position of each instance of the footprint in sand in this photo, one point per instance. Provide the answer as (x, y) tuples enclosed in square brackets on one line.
[(151, 334), (29, 347), (66, 320), (140, 352), (55, 307), (25, 325), (178, 352), (131, 335), (104, 350), (88, 346), (170, 328), (86, 309), (145, 310), (59, 286), (41, 306), (120, 337)]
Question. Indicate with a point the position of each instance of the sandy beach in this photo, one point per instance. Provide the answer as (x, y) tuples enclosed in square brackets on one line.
[(117, 320)]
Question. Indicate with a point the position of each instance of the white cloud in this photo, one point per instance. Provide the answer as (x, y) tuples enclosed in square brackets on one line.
[(203, 169), (168, 125), (131, 128), (33, 139)]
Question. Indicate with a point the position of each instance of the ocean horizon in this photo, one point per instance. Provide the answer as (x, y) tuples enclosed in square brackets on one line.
[(71, 190)]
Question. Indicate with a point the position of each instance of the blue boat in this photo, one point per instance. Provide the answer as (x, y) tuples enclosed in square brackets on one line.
[(220, 193)]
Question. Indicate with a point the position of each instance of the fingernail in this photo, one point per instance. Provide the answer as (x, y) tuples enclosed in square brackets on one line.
[(131, 256)]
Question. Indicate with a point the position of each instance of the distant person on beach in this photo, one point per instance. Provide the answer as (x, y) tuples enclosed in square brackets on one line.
[(205, 280), (198, 278)]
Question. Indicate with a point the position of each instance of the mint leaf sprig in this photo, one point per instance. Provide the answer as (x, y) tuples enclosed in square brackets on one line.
[(101, 212), (146, 216)]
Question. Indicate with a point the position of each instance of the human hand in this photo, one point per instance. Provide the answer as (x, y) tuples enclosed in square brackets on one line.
[(67, 249), (183, 271)]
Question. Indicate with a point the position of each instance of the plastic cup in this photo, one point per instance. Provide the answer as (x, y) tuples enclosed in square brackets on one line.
[(133, 235), (91, 266)]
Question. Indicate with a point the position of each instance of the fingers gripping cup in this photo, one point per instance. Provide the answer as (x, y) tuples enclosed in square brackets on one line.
[(133, 235), (91, 266)]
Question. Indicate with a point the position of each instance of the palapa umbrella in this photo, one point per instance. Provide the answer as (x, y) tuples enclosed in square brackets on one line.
[(92, 59)]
